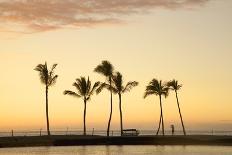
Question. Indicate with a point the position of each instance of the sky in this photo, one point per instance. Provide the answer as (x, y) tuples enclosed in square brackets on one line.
[(187, 40)]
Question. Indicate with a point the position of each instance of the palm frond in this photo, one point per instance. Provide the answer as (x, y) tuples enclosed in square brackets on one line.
[(117, 82), (53, 80), (42, 78), (88, 86), (155, 82), (179, 86), (114, 90), (71, 93), (78, 87), (152, 88), (81, 85), (95, 86), (105, 68), (102, 86), (130, 85), (39, 67), (173, 85), (165, 92), (53, 67), (147, 93)]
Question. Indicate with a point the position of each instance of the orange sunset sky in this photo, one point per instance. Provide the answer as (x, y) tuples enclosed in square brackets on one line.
[(189, 40)]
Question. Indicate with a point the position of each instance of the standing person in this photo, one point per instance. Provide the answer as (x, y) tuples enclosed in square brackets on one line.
[(173, 129)]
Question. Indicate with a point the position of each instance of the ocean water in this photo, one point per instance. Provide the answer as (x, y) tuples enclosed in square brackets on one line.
[(119, 150)]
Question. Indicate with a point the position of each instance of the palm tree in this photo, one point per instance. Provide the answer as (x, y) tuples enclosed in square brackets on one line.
[(118, 88), (173, 85), (106, 69), (48, 78), (85, 91), (156, 87)]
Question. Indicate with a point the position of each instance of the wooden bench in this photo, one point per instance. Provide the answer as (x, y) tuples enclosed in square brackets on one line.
[(130, 132)]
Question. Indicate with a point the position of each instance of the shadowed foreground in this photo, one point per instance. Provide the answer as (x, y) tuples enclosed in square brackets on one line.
[(63, 140)]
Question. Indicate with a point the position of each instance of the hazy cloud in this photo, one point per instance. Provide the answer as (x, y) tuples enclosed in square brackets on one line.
[(44, 15)]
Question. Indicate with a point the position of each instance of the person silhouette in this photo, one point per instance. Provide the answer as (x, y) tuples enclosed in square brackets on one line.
[(173, 129)]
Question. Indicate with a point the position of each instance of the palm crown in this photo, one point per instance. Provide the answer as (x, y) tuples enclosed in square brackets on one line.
[(105, 68), (83, 87), (47, 77), (174, 85), (118, 87), (157, 88)]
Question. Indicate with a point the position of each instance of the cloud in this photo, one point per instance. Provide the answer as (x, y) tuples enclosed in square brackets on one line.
[(45, 15)]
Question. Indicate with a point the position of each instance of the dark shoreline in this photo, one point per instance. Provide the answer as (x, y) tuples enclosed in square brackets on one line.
[(78, 140)]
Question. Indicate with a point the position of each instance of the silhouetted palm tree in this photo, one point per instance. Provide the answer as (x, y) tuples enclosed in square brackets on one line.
[(48, 78), (118, 88), (106, 69), (173, 85), (156, 87), (85, 91)]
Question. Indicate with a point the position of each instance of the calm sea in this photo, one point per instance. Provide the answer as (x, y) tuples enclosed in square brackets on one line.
[(119, 150)]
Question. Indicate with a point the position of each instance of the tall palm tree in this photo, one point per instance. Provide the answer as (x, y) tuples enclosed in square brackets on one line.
[(48, 78), (85, 91), (156, 87), (106, 69), (118, 88), (173, 85)]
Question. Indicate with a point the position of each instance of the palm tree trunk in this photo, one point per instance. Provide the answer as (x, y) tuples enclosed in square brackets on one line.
[(111, 109), (161, 111), (180, 114), (159, 125), (48, 129), (84, 116), (120, 108)]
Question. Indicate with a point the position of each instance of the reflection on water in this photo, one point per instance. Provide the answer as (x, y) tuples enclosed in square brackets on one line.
[(119, 150)]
